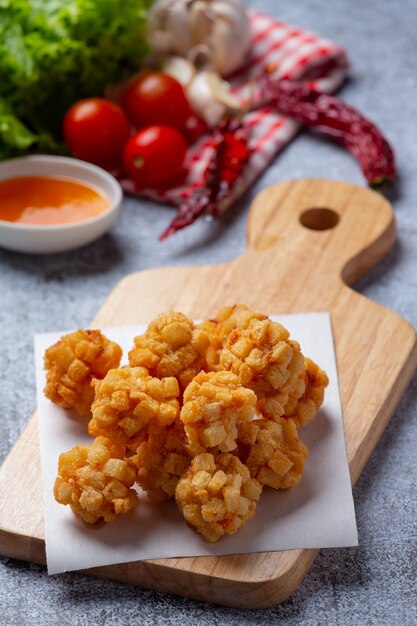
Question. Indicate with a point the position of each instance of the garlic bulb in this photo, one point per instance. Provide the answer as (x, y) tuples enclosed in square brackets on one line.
[(210, 33), (210, 97)]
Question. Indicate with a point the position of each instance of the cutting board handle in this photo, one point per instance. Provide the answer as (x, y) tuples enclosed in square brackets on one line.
[(347, 227)]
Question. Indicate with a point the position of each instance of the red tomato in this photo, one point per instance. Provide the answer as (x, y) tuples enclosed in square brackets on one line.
[(96, 130), (155, 155), (156, 98)]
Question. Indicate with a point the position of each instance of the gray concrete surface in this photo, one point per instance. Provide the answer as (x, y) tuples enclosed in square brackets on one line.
[(373, 584)]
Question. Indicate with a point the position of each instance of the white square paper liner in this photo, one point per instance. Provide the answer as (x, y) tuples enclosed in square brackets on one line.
[(317, 513)]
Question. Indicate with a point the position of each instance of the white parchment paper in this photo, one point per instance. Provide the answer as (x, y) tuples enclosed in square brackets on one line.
[(317, 513)]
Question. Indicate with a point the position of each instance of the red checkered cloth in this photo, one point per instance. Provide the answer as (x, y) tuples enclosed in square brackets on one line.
[(297, 55)]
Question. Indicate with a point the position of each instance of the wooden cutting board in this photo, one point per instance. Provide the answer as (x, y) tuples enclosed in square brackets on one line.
[(307, 240)]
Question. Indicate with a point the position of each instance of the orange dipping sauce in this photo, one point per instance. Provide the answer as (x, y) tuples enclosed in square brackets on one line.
[(45, 200)]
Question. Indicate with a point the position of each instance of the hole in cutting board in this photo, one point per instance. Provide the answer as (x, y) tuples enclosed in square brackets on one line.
[(319, 218)]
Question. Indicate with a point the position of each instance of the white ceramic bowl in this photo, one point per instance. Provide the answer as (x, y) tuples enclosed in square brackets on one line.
[(44, 239)]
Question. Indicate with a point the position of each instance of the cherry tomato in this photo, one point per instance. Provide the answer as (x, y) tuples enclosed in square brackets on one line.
[(155, 155), (96, 130), (156, 98)]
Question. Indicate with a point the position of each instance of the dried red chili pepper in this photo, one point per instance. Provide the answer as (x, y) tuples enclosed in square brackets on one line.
[(331, 116), (230, 155)]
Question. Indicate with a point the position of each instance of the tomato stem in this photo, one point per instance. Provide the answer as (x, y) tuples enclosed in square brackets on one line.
[(138, 162)]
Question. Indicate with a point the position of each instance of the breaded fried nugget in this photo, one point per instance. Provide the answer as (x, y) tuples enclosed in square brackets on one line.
[(160, 461), (214, 403), (217, 495), (273, 452), (303, 408), (266, 360), (96, 481), (171, 346), (73, 362), (220, 327), (129, 404)]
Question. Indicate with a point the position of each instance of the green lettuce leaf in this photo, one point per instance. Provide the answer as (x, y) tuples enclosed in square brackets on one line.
[(14, 136), (54, 52)]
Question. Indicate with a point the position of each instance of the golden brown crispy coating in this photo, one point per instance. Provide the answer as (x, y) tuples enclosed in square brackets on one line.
[(96, 481), (73, 362), (217, 495), (266, 360), (303, 409), (171, 346), (273, 452), (129, 404), (220, 327), (160, 461), (221, 372), (214, 403)]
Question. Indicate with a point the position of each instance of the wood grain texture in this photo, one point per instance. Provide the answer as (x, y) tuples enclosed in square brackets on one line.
[(287, 268)]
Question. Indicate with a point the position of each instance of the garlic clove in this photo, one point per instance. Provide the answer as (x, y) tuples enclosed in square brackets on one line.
[(235, 15), (179, 68), (210, 97), (221, 91), (230, 38), (226, 57), (179, 26), (201, 21)]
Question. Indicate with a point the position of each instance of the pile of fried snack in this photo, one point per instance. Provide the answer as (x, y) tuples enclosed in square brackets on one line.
[(207, 414)]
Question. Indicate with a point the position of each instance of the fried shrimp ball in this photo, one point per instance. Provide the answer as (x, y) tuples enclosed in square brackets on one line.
[(71, 364), (266, 360), (217, 495), (303, 409), (273, 453), (214, 403), (129, 404), (220, 327), (160, 461), (96, 481), (171, 346)]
